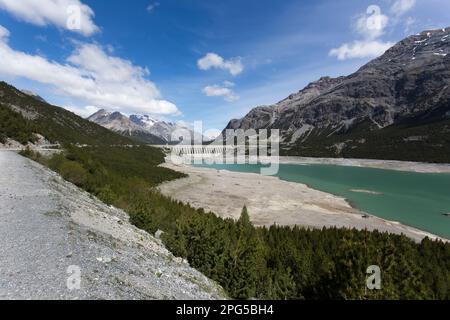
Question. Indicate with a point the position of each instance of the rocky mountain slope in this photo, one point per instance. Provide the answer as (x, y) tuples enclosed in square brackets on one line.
[(141, 127), (161, 129), (49, 228), (34, 95), (121, 124), (396, 106)]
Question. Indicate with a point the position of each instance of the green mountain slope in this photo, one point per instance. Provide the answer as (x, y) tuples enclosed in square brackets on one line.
[(145, 137), (16, 127), (22, 114), (423, 137)]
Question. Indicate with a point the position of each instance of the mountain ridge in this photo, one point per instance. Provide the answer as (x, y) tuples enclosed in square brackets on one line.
[(409, 81), (119, 123), (141, 127), (34, 95), (22, 116)]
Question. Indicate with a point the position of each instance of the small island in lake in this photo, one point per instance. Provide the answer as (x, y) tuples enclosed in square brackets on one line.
[(366, 191)]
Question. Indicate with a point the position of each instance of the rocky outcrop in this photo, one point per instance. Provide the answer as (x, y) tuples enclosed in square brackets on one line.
[(411, 78)]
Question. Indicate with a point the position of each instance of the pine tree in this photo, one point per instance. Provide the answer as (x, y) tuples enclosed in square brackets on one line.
[(247, 259)]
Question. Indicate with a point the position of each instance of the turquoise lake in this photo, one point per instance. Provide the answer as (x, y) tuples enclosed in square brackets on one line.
[(415, 199)]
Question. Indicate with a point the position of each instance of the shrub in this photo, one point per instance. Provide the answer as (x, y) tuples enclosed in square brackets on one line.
[(73, 172), (29, 153)]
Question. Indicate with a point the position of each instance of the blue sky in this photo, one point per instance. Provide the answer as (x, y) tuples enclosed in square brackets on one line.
[(191, 60)]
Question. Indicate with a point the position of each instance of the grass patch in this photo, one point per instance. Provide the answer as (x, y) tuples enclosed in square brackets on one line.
[(53, 214)]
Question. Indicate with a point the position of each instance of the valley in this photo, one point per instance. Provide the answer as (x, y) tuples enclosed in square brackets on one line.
[(286, 200), (363, 180)]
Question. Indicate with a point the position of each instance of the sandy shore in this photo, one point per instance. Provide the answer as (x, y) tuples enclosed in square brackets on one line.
[(271, 200), (377, 164)]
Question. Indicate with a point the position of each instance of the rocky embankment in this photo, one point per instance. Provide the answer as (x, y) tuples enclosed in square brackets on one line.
[(50, 230)]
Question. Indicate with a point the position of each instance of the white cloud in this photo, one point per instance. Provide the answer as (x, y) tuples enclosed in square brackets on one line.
[(213, 60), (371, 26), (41, 38), (92, 76), (4, 33), (152, 6), (83, 112), (212, 134), (224, 91), (66, 14), (400, 7), (361, 49), (410, 22), (228, 84)]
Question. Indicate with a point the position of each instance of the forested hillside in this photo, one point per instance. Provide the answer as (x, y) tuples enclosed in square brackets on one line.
[(16, 127), (424, 137), (54, 123)]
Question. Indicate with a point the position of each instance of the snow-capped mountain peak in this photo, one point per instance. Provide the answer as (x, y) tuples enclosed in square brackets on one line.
[(144, 121)]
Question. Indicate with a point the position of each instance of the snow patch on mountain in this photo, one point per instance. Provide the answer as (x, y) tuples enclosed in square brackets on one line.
[(169, 132)]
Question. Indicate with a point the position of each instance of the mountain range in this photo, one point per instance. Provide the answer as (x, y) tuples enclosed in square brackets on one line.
[(395, 107), (140, 127)]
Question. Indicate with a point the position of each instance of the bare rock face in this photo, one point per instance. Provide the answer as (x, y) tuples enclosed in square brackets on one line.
[(114, 121), (258, 118), (410, 78), (120, 123), (161, 129)]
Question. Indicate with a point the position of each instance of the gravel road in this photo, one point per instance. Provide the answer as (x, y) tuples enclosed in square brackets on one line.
[(50, 230)]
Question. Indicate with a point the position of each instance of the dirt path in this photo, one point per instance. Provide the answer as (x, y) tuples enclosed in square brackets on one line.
[(48, 225)]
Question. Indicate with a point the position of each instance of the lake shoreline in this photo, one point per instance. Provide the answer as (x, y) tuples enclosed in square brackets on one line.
[(271, 200), (407, 166)]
